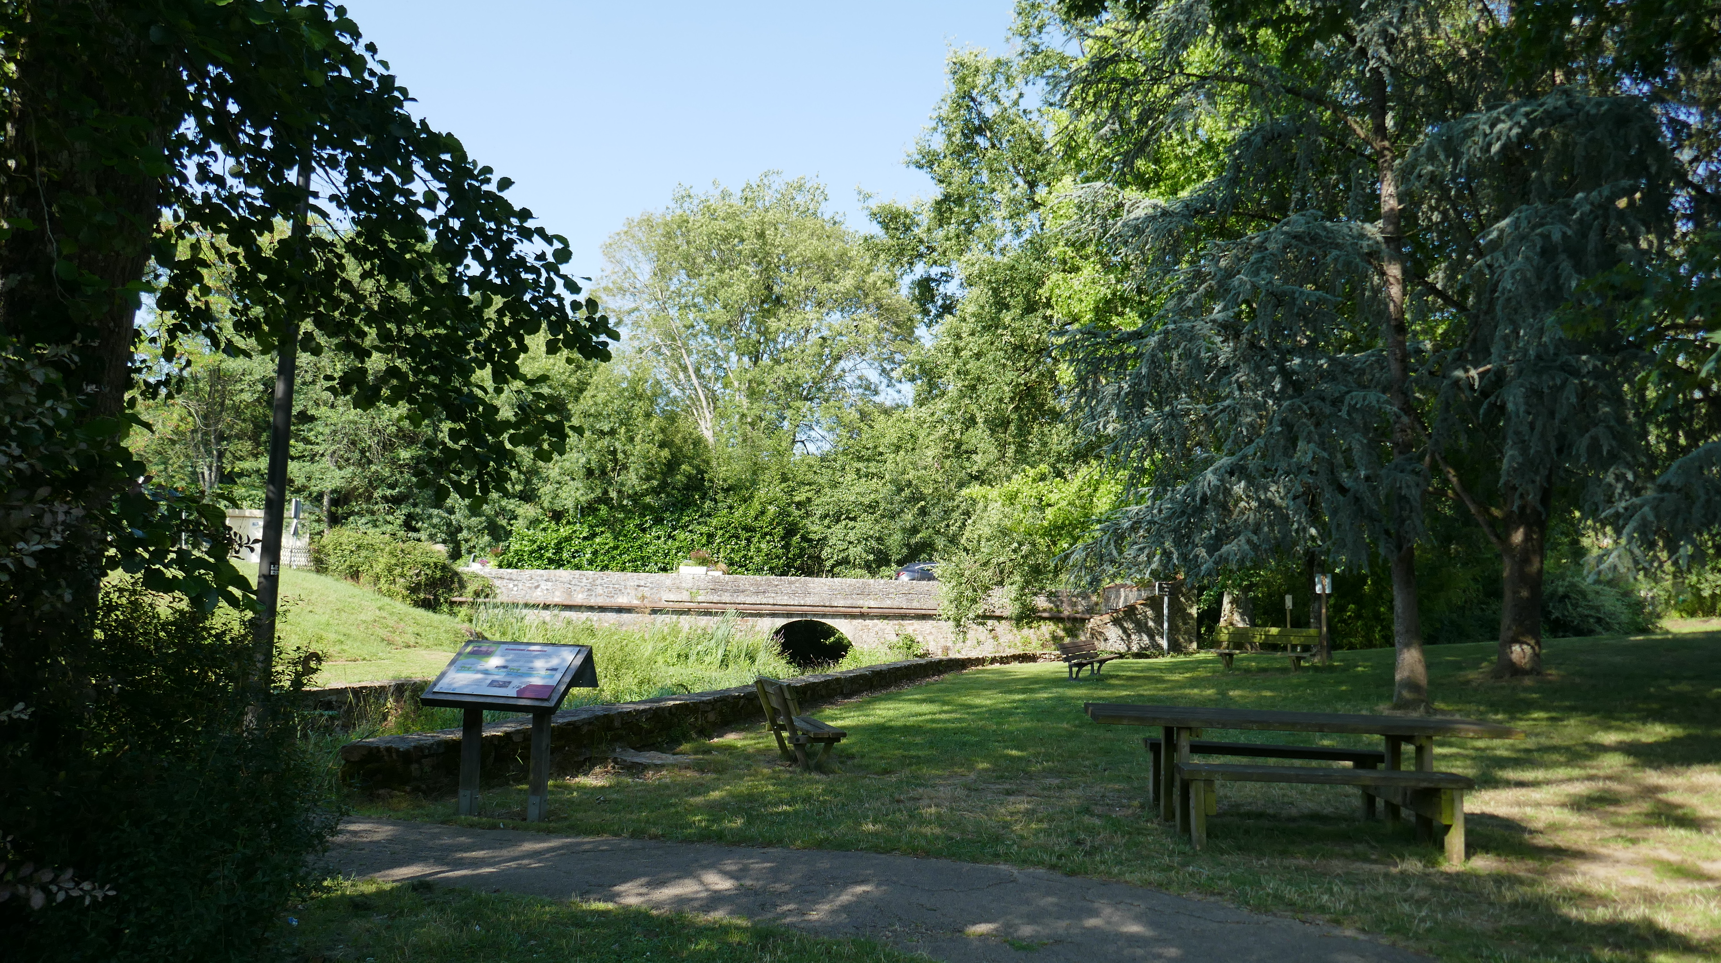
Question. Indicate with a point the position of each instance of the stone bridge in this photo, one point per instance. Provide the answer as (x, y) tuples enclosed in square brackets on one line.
[(803, 612)]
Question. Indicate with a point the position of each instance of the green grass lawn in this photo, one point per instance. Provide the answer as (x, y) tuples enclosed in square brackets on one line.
[(384, 923), (1595, 838), (363, 636)]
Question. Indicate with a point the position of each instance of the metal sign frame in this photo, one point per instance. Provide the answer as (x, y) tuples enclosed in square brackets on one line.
[(581, 672)]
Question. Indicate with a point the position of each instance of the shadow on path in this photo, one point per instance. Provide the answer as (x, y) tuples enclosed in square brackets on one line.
[(958, 912)]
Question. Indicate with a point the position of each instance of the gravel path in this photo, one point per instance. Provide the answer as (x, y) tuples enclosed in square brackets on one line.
[(958, 912)]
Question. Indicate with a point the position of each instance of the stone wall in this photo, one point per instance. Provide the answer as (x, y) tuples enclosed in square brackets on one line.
[(870, 612), (430, 761), (343, 704)]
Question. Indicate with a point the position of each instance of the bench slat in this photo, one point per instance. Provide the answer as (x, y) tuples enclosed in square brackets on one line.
[(817, 729), (1263, 750), (1327, 776)]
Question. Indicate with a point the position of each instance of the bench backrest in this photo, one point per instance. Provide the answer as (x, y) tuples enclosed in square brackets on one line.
[(778, 702), (1081, 647), (1264, 635)]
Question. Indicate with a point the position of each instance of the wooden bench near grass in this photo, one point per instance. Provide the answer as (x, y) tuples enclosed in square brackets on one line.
[(1436, 796), (1235, 639), (1087, 653), (794, 732), (1358, 758)]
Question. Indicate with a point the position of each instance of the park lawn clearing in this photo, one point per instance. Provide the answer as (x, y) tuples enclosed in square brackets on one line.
[(1594, 838), (387, 922), (363, 636)]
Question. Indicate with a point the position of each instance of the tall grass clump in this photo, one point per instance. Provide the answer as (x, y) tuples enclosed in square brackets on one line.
[(668, 657)]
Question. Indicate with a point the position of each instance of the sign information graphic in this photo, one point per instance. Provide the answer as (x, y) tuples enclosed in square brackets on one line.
[(512, 670)]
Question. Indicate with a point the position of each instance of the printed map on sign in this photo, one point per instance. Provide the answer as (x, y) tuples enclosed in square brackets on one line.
[(507, 669)]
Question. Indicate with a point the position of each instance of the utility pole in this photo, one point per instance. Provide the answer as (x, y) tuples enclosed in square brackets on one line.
[(280, 438)]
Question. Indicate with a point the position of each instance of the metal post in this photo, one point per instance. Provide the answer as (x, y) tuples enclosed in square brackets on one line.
[(538, 784), (1288, 604), (280, 438), (471, 752), (1166, 635)]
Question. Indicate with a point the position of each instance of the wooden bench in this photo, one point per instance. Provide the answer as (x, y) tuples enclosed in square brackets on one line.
[(794, 731), (1437, 796), (1299, 643), (1084, 653), (1358, 758)]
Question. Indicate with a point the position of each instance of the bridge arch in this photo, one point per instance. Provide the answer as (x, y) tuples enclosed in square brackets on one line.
[(807, 643)]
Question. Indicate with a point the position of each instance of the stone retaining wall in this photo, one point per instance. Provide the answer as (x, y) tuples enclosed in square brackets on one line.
[(343, 703), (430, 761)]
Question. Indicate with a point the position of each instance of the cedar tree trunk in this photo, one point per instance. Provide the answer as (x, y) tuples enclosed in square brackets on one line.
[(1523, 537)]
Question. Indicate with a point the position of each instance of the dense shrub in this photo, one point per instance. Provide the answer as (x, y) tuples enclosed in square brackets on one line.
[(142, 768), (401, 569), (757, 538), (1575, 605)]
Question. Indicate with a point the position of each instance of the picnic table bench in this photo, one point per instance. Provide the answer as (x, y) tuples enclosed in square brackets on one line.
[(1087, 653), (1299, 644), (1186, 789), (1358, 758), (793, 730)]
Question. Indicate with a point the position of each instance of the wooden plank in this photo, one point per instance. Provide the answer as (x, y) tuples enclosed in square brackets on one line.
[(1425, 803), (1168, 777), (538, 784), (1326, 776), (1278, 720), (1266, 750), (471, 752)]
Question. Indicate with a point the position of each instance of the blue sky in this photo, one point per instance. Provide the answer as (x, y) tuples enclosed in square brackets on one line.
[(598, 111)]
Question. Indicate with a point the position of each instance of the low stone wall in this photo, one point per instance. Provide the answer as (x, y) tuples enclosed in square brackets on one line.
[(342, 704), (430, 761)]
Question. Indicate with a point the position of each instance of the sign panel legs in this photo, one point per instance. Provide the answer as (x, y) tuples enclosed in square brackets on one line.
[(471, 749), (538, 785)]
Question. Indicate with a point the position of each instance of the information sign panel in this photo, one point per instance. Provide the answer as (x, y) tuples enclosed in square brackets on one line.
[(519, 676)]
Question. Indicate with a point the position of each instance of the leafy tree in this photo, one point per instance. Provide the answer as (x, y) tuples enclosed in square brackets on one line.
[(185, 133), (1266, 404), (978, 258), (1018, 537), (1493, 198), (762, 313)]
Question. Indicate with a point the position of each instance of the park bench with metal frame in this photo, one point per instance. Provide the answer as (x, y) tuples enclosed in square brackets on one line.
[(1086, 653), (794, 731), (1436, 799), (1299, 643)]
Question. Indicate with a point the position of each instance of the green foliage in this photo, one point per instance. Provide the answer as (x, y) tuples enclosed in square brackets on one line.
[(407, 571), (756, 537), (1577, 604), (1018, 537), (148, 765), (763, 314)]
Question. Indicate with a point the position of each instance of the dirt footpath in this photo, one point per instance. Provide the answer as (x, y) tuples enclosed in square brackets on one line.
[(958, 912)]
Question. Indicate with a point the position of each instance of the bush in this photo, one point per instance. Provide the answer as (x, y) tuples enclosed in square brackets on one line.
[(756, 538), (407, 571), (140, 768), (1575, 605)]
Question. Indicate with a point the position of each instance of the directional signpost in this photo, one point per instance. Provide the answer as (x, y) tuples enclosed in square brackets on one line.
[(512, 677)]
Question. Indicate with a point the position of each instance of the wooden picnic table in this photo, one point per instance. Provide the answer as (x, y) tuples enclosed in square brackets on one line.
[(1183, 723)]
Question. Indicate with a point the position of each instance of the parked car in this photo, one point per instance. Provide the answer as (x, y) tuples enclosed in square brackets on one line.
[(917, 572)]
